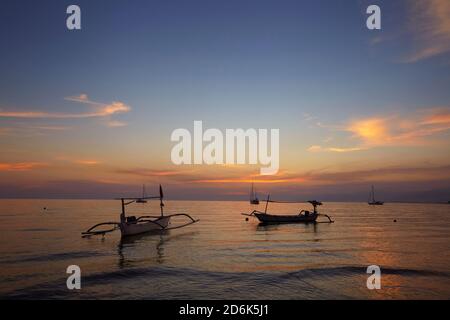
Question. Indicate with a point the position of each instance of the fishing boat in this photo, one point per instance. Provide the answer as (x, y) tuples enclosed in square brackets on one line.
[(253, 197), (132, 225), (142, 200), (304, 216), (372, 200)]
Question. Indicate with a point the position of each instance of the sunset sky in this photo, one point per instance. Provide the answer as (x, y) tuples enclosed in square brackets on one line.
[(89, 113)]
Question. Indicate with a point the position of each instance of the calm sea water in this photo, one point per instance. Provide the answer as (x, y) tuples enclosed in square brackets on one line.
[(223, 256)]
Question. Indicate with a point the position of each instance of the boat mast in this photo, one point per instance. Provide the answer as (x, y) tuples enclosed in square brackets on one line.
[(161, 204), (373, 194), (122, 215), (267, 203)]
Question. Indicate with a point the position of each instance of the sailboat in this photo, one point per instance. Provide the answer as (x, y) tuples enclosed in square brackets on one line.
[(372, 200), (253, 198), (142, 200)]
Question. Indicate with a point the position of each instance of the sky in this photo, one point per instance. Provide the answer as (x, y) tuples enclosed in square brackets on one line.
[(89, 113)]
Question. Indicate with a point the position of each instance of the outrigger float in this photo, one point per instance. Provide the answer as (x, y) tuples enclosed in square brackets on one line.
[(304, 216), (132, 225)]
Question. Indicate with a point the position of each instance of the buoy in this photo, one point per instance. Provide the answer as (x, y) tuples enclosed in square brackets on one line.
[(395, 220)]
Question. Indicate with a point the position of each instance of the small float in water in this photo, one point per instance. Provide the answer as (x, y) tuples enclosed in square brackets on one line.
[(304, 216), (132, 225)]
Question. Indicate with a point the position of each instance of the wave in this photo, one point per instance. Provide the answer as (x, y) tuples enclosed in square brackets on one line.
[(352, 270), (52, 257), (193, 281)]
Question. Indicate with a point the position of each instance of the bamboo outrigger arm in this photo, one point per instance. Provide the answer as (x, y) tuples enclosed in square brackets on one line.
[(183, 225), (329, 218), (144, 219), (90, 231), (250, 214)]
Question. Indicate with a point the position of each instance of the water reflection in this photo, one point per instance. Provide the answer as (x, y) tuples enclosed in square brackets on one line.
[(225, 256), (286, 227), (135, 249)]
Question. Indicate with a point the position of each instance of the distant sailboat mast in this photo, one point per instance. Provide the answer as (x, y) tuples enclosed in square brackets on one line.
[(372, 200), (253, 197), (142, 200)]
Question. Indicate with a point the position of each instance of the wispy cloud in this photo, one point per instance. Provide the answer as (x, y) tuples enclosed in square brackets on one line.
[(151, 173), (87, 162), (330, 177), (98, 110), (418, 128), (77, 161), (393, 173), (51, 128), (425, 33), (20, 166), (29, 130), (430, 28), (401, 129), (82, 98), (317, 148), (116, 124)]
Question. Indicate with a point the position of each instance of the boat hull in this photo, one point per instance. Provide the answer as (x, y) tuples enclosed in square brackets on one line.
[(130, 229), (278, 219)]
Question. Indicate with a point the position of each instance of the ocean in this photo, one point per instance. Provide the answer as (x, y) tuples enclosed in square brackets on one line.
[(223, 256)]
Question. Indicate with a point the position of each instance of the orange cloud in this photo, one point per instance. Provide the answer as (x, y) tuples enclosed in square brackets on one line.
[(116, 124), (401, 130), (99, 110), (371, 130), (51, 128), (151, 173), (325, 177), (87, 162), (247, 180), (427, 30), (430, 28), (20, 166), (442, 117), (417, 128), (317, 148), (84, 162)]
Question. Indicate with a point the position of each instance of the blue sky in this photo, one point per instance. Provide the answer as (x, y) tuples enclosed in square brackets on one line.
[(301, 66)]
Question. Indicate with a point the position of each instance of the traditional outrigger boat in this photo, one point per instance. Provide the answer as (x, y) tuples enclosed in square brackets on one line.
[(132, 225), (304, 216)]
